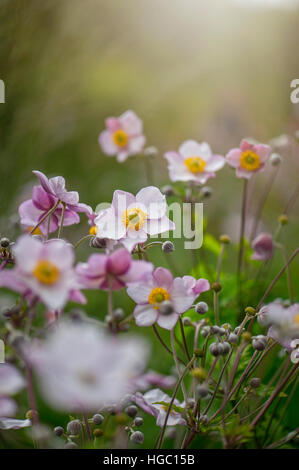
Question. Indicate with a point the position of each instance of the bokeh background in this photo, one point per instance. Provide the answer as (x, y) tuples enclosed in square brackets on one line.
[(210, 70)]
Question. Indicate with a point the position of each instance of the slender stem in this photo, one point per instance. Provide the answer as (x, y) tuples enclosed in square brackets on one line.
[(216, 307), (87, 427), (164, 344), (61, 220), (184, 339), (293, 255), (270, 400), (45, 216), (284, 254), (177, 386), (281, 442), (219, 263), (242, 230), (177, 363), (82, 240)]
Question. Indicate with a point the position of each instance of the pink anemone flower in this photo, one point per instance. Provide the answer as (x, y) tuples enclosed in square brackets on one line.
[(158, 287), (112, 271), (44, 271), (123, 136), (248, 159), (33, 210), (131, 219), (193, 162), (153, 403), (263, 247)]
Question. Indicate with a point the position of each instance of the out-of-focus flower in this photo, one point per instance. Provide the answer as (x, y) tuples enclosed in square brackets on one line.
[(131, 219), (56, 187), (123, 136), (11, 382), (248, 159), (154, 379), (158, 287), (43, 270), (149, 402), (81, 368), (263, 247), (33, 210), (11, 423), (112, 271), (193, 162), (283, 322)]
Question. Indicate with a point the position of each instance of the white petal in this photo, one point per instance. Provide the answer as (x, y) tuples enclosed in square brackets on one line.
[(145, 315), (167, 321), (153, 200), (155, 226)]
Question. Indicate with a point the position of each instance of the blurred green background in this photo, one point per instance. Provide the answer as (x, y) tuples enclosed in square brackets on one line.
[(209, 70)]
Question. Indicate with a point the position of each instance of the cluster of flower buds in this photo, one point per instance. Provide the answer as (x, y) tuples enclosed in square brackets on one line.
[(137, 437), (220, 349)]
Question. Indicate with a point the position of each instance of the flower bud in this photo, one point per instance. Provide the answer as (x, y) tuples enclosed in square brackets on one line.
[(201, 308), (167, 190), (4, 242), (226, 348), (190, 402), (137, 437), (206, 191), (216, 287), (259, 342), (203, 419), (166, 307), (233, 338), (187, 321), (150, 151), (58, 431), (31, 414), (138, 421), (199, 373), (255, 382), (198, 352), (214, 349), (215, 329), (221, 331), (225, 239), (275, 159), (205, 331), (70, 445), (250, 310), (97, 419), (202, 391), (168, 247), (246, 336), (98, 432), (97, 242), (118, 314), (283, 219), (74, 427), (131, 411)]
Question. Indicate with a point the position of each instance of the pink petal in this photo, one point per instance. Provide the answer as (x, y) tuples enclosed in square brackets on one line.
[(181, 296), (29, 214), (131, 123), (263, 151), (215, 163), (122, 156), (191, 148), (202, 285), (140, 291), (145, 315), (8, 407), (42, 199), (44, 181), (76, 295), (11, 423), (110, 225), (153, 200), (156, 226), (245, 145), (107, 144), (121, 201), (119, 262), (163, 277), (168, 321), (138, 271), (26, 251), (241, 173), (136, 144), (112, 124), (233, 157)]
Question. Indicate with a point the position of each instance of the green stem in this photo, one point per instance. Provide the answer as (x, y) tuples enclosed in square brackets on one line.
[(45, 216), (61, 221)]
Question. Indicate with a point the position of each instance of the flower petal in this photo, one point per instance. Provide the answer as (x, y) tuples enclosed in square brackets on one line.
[(145, 315), (168, 321), (153, 200), (156, 226), (131, 123)]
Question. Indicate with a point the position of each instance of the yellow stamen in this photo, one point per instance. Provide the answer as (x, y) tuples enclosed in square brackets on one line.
[(46, 272), (158, 295), (134, 218), (296, 319), (250, 161), (195, 164), (120, 138), (37, 231), (93, 230)]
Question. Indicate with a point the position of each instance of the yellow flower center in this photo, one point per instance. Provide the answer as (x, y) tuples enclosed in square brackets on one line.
[(37, 231), (120, 138), (296, 319), (134, 218), (158, 295), (46, 272), (93, 230), (195, 164), (250, 161)]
